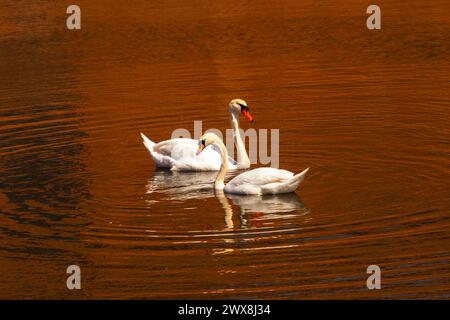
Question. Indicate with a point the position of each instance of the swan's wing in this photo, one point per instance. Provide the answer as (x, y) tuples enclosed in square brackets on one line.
[(182, 152), (176, 148), (285, 186), (232, 164), (265, 181), (261, 176)]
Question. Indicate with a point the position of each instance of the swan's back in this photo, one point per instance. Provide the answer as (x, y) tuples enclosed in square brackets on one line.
[(177, 148), (265, 181), (261, 176)]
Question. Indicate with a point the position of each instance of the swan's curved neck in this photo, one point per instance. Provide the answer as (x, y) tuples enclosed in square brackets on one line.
[(219, 183), (242, 157)]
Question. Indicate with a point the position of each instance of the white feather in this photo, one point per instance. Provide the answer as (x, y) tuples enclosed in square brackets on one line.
[(179, 155), (265, 181)]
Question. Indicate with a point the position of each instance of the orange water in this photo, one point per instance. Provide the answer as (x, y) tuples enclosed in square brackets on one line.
[(367, 111)]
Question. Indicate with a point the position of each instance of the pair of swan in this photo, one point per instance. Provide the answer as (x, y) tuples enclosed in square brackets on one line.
[(211, 154)]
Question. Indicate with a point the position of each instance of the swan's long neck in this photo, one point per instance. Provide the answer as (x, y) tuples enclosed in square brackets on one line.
[(242, 157), (219, 183)]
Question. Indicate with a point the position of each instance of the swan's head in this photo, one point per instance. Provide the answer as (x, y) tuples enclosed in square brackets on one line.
[(237, 106), (206, 140)]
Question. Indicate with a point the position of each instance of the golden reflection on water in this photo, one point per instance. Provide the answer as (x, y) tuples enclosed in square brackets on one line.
[(368, 112)]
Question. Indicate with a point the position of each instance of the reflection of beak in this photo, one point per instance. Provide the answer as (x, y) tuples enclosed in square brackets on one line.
[(200, 149), (247, 115)]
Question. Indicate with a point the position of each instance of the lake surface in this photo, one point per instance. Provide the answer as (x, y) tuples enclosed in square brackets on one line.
[(367, 111)]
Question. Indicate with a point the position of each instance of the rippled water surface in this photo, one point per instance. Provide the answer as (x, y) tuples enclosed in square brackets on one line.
[(367, 111)]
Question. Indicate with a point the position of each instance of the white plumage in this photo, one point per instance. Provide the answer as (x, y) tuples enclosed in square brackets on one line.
[(258, 181), (179, 154), (265, 181)]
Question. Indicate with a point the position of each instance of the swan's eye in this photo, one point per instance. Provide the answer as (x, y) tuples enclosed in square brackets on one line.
[(203, 143), (243, 107)]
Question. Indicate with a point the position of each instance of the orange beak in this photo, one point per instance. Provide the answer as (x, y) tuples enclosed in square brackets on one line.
[(200, 149), (247, 115)]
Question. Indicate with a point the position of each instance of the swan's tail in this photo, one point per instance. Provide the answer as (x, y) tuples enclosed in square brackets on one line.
[(287, 186), (293, 183), (147, 143), (297, 179), (160, 160)]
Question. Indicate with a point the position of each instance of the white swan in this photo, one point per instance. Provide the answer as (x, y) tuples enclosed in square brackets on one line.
[(179, 154), (257, 181)]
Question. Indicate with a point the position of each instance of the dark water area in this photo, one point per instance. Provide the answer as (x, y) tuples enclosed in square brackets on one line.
[(366, 110)]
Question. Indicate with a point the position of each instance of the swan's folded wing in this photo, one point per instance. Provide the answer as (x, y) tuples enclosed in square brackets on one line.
[(261, 176), (232, 164), (180, 145), (182, 153)]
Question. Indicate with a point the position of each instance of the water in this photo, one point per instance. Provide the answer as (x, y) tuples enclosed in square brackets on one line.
[(367, 111)]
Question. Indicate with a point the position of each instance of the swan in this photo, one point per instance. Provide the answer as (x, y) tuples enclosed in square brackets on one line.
[(179, 154), (258, 181)]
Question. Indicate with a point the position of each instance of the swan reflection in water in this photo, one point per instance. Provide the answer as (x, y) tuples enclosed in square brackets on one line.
[(174, 185), (267, 207), (183, 186)]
